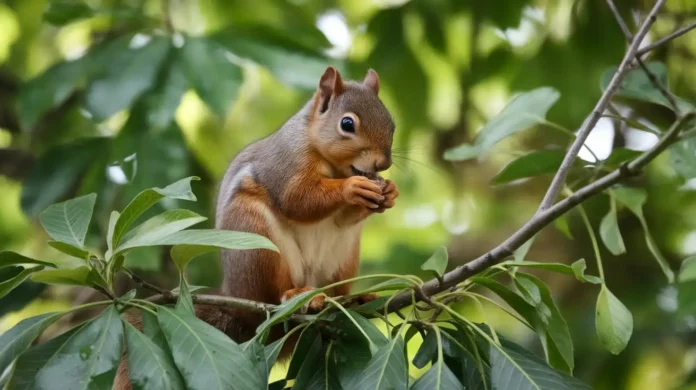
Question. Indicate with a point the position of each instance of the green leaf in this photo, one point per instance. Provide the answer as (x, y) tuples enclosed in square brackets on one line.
[(162, 102), (18, 339), (682, 156), (204, 355), (286, 308), (69, 249), (79, 276), (8, 285), (613, 321), (185, 303), (517, 302), (637, 85), (619, 156), (302, 347), (533, 164), (131, 70), (437, 263), (48, 90), (209, 69), (386, 370), (148, 198), (610, 233), (150, 366), (522, 251), (523, 111), (556, 341), (561, 224), (289, 60), (62, 12), (8, 258), (113, 218), (439, 376), (688, 270), (686, 286), (634, 199), (160, 226), (579, 270), (427, 351), (152, 330), (68, 221), (85, 358), (314, 372)]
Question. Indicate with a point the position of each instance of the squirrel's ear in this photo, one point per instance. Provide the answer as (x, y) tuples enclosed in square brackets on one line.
[(330, 85), (372, 81)]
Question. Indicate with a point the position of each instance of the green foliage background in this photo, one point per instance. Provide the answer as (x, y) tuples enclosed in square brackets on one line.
[(446, 67)]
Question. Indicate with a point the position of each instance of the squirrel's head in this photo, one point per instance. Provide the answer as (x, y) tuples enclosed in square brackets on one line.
[(349, 126)]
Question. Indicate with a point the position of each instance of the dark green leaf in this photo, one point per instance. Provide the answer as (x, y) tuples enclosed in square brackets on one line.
[(62, 12), (85, 358), (524, 110), (163, 101), (150, 366), (8, 258), (533, 164), (313, 373), (210, 70), (517, 302), (148, 198), (637, 85), (204, 355), (386, 370), (437, 263), (682, 156), (48, 90), (613, 321), (286, 308), (438, 377), (427, 351), (16, 340), (68, 221), (152, 329), (302, 347), (185, 303), (610, 233), (130, 72), (79, 276), (9, 285), (619, 156), (160, 226)]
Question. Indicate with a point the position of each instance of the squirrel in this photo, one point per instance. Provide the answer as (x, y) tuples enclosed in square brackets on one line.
[(307, 187)]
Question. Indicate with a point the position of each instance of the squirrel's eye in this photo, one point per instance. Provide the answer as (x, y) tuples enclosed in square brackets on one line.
[(348, 125)]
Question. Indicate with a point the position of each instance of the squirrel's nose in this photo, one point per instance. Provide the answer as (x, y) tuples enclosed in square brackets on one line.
[(383, 163)]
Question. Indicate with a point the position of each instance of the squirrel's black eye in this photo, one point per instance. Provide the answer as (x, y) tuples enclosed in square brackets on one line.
[(348, 125)]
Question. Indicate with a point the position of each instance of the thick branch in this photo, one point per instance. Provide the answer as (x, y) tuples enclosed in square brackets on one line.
[(559, 180)]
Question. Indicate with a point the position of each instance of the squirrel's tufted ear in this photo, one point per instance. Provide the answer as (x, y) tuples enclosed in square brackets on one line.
[(330, 85), (372, 81)]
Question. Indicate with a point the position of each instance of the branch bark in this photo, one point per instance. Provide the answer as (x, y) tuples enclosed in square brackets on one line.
[(666, 39)]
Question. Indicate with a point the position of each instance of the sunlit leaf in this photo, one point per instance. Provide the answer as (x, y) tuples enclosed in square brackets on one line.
[(68, 221), (160, 226), (437, 263), (610, 233), (533, 164), (79, 276), (523, 111), (84, 358), (20, 337), (8, 258), (613, 321), (204, 355), (286, 308), (9, 285), (149, 366), (69, 249)]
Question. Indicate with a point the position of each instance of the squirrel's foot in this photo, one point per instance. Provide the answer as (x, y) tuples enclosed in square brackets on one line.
[(313, 306), (365, 298)]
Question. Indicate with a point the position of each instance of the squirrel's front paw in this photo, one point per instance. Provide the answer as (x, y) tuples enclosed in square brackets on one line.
[(313, 306), (390, 193), (361, 191)]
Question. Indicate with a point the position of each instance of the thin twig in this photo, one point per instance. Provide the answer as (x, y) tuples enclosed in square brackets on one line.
[(560, 177), (651, 76), (666, 39), (144, 284)]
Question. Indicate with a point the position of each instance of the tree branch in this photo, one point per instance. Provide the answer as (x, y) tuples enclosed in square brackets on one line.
[(559, 180), (666, 39), (651, 76)]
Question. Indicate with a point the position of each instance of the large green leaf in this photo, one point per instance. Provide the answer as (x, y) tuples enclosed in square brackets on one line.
[(437, 263), (48, 90), (79, 276), (637, 85), (524, 110), (130, 71), (386, 370), (610, 233), (225, 239), (84, 359), (9, 285), (146, 199), (214, 76), (533, 164), (161, 226), (149, 365), (438, 377), (16, 340), (682, 156), (68, 221), (634, 199), (556, 338), (71, 250), (8, 258), (206, 357), (317, 371), (613, 321), (62, 12)]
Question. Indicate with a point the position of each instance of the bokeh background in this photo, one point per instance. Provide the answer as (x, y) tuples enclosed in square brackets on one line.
[(446, 66)]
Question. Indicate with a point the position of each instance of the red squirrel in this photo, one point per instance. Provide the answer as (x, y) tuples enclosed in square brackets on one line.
[(307, 187)]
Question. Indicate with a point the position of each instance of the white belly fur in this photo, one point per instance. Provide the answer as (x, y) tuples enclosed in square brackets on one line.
[(314, 252)]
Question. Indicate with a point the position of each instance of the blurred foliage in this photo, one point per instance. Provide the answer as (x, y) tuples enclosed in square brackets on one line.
[(113, 97)]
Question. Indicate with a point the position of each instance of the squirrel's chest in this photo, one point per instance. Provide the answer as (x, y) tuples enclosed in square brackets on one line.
[(315, 252)]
